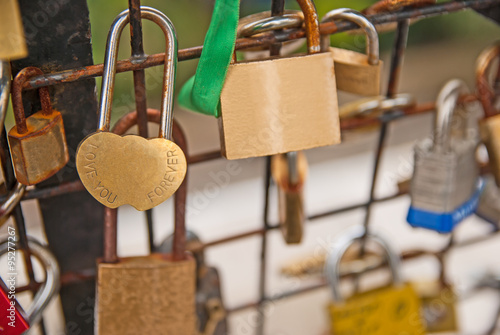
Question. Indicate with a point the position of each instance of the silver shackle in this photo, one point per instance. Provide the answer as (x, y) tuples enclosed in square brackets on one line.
[(108, 78), (49, 288), (340, 246), (446, 106), (348, 14)]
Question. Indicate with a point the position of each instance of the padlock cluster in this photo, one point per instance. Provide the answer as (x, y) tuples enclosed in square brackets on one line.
[(274, 107)]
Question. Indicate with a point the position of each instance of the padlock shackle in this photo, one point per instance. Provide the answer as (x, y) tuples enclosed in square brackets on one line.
[(111, 58), (5, 82), (51, 285), (179, 250), (351, 15), (446, 104), (485, 92), (374, 106), (13, 199), (293, 167), (289, 19), (339, 248), (17, 97), (311, 23)]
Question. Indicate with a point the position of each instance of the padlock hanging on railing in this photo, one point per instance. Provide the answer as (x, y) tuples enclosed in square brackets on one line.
[(439, 300), (165, 302), (445, 186), (489, 126), (293, 109), (16, 320), (37, 143), (209, 303), (355, 72), (289, 172), (119, 170), (394, 309)]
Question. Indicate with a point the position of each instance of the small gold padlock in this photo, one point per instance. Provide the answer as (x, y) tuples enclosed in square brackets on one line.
[(489, 126), (119, 170), (289, 173), (394, 309), (37, 143), (355, 72), (279, 105), (12, 37)]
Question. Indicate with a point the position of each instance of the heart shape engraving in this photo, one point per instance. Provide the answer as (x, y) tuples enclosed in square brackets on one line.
[(119, 170)]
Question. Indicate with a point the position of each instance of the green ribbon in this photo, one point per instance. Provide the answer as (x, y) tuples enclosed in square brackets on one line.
[(201, 93)]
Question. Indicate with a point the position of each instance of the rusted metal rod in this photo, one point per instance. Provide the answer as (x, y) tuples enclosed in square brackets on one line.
[(265, 39)]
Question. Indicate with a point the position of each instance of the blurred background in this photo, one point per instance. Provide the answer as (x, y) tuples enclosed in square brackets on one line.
[(439, 49)]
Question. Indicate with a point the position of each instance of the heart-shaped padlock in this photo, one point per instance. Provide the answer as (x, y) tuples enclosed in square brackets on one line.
[(119, 170)]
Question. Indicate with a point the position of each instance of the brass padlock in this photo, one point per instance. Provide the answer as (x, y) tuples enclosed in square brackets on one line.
[(394, 309), (489, 126), (209, 303), (119, 170), (279, 105), (289, 173), (37, 143), (152, 294), (355, 72), (12, 37)]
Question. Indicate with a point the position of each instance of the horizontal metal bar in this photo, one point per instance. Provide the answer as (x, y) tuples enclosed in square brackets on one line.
[(407, 255), (265, 39)]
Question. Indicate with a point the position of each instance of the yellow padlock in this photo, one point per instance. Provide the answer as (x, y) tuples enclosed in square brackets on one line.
[(12, 37), (390, 310), (355, 72)]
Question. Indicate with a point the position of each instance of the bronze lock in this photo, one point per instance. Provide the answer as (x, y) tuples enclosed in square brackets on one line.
[(37, 143), (209, 303)]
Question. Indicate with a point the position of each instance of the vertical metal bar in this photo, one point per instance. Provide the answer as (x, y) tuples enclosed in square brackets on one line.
[(17, 214), (277, 8), (58, 32), (263, 252), (138, 55), (394, 76), (110, 235)]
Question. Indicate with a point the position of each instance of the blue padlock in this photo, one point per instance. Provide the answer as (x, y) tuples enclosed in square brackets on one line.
[(446, 186)]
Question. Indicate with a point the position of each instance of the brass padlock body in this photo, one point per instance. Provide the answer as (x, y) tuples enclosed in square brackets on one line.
[(41, 152), (146, 295), (388, 310), (279, 105), (489, 129), (354, 74)]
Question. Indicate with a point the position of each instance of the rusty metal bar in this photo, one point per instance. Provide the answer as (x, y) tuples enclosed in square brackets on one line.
[(265, 39)]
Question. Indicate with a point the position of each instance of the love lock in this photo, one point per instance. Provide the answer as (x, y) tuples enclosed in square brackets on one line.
[(119, 170)]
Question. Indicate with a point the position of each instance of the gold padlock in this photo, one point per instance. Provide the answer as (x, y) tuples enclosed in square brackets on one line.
[(279, 105), (489, 126), (12, 37), (394, 309), (118, 170), (289, 173), (37, 143), (152, 294), (355, 72)]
